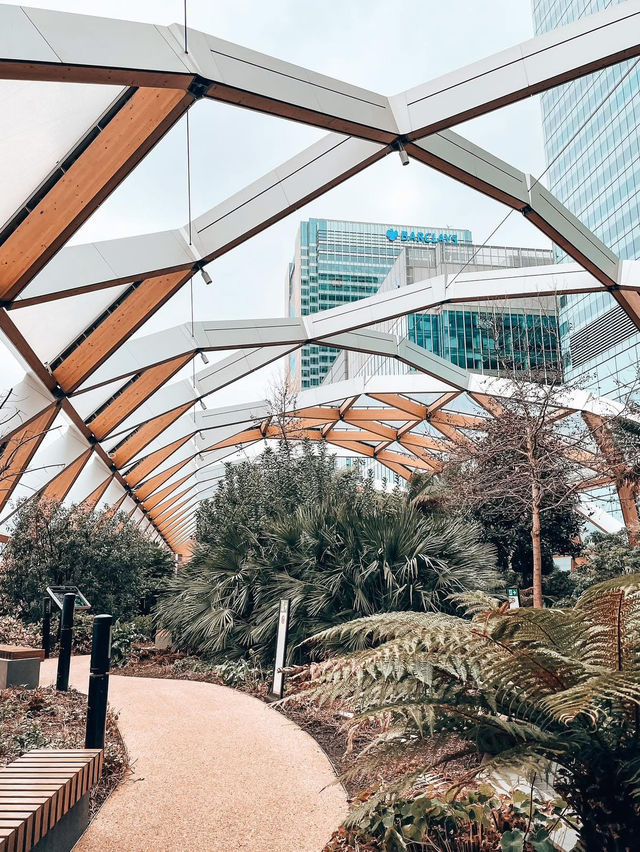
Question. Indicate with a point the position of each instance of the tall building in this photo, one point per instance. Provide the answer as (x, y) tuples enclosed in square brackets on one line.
[(486, 337), (592, 141), (338, 262)]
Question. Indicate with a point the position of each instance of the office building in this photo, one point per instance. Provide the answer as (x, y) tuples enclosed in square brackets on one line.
[(486, 337), (338, 262), (592, 141)]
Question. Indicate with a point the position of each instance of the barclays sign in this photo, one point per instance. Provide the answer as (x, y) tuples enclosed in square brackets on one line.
[(419, 237)]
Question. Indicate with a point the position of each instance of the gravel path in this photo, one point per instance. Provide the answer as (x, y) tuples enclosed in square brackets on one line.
[(213, 769)]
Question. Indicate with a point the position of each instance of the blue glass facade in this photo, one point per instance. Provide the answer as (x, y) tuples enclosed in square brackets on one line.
[(488, 342), (592, 142), (337, 262)]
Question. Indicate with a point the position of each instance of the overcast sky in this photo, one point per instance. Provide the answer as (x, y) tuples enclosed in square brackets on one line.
[(382, 46)]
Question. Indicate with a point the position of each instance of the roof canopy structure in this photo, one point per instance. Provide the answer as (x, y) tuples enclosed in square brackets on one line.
[(131, 437)]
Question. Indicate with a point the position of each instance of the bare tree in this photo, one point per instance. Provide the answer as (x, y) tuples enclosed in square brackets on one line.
[(281, 407), (535, 456)]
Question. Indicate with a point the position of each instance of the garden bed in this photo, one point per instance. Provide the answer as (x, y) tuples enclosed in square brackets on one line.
[(45, 718)]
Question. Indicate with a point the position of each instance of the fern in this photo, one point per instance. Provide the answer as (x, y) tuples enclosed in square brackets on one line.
[(531, 690)]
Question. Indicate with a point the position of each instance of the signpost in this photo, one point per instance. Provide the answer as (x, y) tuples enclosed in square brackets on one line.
[(277, 690), (98, 681), (57, 593), (513, 596), (66, 640)]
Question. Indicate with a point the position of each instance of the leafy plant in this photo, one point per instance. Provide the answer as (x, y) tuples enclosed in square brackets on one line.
[(479, 819), (116, 567), (123, 637), (553, 691), (333, 559)]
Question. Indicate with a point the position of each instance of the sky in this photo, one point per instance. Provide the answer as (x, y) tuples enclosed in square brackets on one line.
[(380, 46)]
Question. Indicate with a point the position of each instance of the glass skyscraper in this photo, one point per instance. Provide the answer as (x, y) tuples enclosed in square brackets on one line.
[(497, 337), (337, 262), (592, 144)]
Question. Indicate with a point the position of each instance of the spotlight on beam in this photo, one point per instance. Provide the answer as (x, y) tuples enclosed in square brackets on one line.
[(202, 405), (206, 277), (404, 157), (203, 355)]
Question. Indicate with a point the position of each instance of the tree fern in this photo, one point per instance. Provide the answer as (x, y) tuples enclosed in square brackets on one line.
[(528, 689)]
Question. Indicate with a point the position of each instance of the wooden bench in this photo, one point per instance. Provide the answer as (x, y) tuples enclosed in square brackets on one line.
[(38, 794)]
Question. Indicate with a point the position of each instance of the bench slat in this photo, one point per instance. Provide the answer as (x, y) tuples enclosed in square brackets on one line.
[(39, 788)]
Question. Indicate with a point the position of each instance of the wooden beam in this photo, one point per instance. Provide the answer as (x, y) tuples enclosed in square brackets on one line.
[(141, 303), (353, 435), (143, 491), (134, 129), (409, 406), (159, 496), (58, 488), (422, 454), (112, 510), (398, 458), (171, 511), (137, 392), (461, 421), (386, 414), (151, 462), (454, 435), (400, 469), (89, 503), (244, 437), (626, 487), (147, 433), (20, 449), (160, 514), (489, 403), (347, 404), (426, 442), (378, 429), (443, 400)]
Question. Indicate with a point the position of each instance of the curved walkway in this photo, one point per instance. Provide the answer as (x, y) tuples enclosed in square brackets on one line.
[(213, 769)]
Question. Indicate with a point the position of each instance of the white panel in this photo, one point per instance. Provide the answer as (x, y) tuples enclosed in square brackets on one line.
[(39, 124), (92, 475), (51, 327), (88, 40)]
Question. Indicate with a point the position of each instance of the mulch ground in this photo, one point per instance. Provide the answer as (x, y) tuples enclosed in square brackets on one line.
[(43, 718)]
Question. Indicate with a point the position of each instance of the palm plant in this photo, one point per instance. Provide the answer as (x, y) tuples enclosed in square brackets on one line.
[(533, 691), (334, 559)]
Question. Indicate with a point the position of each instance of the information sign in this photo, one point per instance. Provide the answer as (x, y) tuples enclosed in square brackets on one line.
[(57, 593), (513, 596)]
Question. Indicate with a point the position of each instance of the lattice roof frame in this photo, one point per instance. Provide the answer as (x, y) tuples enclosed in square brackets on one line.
[(160, 82)]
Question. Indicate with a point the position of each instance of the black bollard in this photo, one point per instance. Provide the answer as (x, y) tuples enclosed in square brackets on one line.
[(98, 681), (46, 627), (66, 637)]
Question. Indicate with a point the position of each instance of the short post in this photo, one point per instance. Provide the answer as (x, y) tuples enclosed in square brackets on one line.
[(98, 681), (66, 637), (46, 627), (277, 690)]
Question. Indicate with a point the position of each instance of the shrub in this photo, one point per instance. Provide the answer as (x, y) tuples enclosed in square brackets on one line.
[(335, 559), (108, 558), (479, 819), (554, 692), (13, 631), (123, 637)]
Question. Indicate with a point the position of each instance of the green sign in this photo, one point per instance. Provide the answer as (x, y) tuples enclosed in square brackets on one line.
[(513, 596)]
